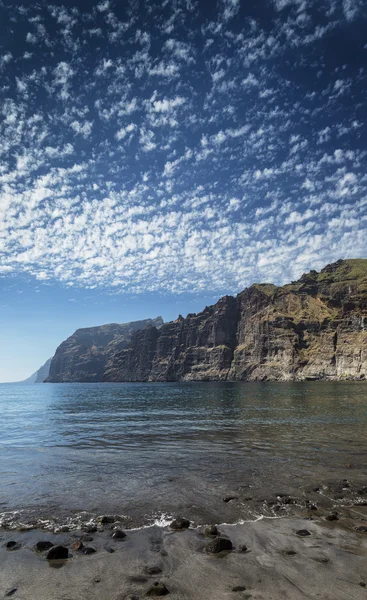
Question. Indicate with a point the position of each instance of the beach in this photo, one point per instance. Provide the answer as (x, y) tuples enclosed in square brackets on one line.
[(269, 560)]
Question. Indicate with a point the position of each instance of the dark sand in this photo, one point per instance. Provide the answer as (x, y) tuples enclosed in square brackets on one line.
[(330, 564)]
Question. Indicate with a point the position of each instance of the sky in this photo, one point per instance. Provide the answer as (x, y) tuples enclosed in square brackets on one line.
[(157, 155)]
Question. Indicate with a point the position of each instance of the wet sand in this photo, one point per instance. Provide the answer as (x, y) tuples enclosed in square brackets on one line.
[(328, 564)]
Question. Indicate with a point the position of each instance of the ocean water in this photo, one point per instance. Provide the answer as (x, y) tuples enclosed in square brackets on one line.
[(149, 451)]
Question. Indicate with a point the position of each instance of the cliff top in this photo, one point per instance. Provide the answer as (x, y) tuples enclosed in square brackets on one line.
[(329, 280)]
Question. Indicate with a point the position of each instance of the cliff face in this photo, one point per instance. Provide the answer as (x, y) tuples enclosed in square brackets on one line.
[(315, 328), (84, 355)]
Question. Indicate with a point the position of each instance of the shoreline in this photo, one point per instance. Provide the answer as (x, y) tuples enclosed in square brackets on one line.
[(277, 562)]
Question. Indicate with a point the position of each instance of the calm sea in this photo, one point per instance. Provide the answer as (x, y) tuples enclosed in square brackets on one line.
[(143, 450)]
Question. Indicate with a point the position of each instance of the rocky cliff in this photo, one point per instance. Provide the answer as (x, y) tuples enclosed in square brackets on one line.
[(314, 328), (84, 355)]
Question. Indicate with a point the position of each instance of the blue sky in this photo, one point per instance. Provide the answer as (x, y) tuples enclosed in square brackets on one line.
[(155, 156)]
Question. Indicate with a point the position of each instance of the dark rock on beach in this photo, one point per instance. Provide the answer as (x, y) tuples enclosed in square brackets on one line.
[(12, 545), (242, 548), (11, 592), (88, 550), (43, 545), (157, 589), (153, 570), (239, 588), (229, 498), (303, 532), (180, 524), (361, 528), (332, 517), (118, 534), (57, 553), (218, 545)]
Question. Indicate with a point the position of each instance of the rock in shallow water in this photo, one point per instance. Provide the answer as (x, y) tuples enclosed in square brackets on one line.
[(180, 524), (57, 553), (218, 545), (157, 589), (104, 519)]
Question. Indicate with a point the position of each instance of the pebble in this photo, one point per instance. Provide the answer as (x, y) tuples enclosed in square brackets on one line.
[(157, 589), (218, 545), (242, 548), (10, 592), (239, 588), (290, 552), (86, 538), (229, 498)]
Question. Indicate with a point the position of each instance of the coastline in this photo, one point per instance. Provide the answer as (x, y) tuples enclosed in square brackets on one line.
[(278, 563)]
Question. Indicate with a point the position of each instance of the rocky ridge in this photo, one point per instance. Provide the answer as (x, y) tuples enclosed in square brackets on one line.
[(84, 355), (314, 328)]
